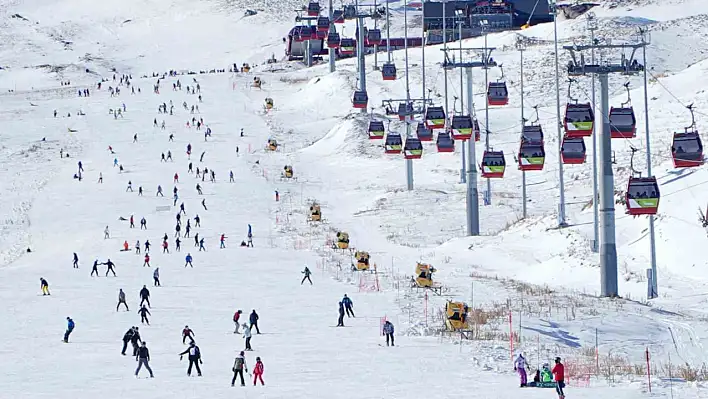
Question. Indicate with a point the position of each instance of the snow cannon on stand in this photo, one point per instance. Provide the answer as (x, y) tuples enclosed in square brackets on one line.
[(456, 316), (288, 172), (315, 213), (362, 260), (272, 145), (257, 83), (245, 68), (424, 278), (342, 240), (268, 103)]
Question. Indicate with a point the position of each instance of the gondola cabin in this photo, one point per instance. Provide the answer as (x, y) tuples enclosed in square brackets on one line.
[(362, 260), (642, 196), (342, 240), (532, 134), (531, 156), (322, 24), (288, 172), (333, 40), (424, 275), (360, 100), (306, 33), (373, 37), (462, 127), (315, 213), (349, 11), (497, 94), (423, 133), (313, 9), (623, 124), (338, 16), (347, 46), (444, 142), (393, 143), (579, 120), (413, 148), (376, 130), (687, 150), (456, 316), (493, 164), (388, 71), (405, 111), (435, 117), (573, 151)]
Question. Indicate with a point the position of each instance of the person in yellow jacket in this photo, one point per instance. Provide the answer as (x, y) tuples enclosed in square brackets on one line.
[(45, 286)]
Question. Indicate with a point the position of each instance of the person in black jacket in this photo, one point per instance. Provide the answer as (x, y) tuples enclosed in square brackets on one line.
[(135, 340), (195, 357), (253, 318), (143, 315), (144, 296), (143, 357), (340, 322), (126, 338)]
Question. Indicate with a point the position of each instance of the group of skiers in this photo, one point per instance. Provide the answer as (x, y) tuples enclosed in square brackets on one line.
[(544, 375)]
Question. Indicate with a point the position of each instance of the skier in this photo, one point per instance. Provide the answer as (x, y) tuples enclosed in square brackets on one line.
[(69, 329), (147, 246), (156, 277), (140, 191), (143, 224), (239, 368), (520, 367), (197, 221), (147, 260), (307, 273), (247, 334), (188, 260), (144, 296), (204, 203), (388, 332), (100, 177), (137, 246), (253, 318), (199, 189), (95, 268), (348, 305), (126, 338), (231, 176), (340, 321), (134, 340), (106, 233), (132, 222), (237, 316), (250, 237), (110, 265), (258, 371), (187, 333), (130, 186), (135, 138), (277, 196), (178, 228), (196, 240), (159, 191), (559, 376), (44, 285), (176, 178), (143, 357), (165, 246), (187, 229), (121, 299), (177, 244), (195, 357), (201, 245), (76, 261), (162, 157), (222, 241), (143, 311), (169, 155), (181, 209)]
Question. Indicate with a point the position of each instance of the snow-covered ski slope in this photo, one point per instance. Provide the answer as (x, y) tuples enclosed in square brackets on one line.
[(361, 191)]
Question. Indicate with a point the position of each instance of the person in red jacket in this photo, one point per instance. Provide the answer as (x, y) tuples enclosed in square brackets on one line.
[(237, 316), (258, 372), (147, 261), (559, 376)]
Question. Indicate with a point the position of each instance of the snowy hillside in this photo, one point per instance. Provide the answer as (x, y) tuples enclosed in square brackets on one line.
[(527, 281)]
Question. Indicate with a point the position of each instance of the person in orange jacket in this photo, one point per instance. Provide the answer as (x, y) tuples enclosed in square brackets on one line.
[(258, 371), (126, 247)]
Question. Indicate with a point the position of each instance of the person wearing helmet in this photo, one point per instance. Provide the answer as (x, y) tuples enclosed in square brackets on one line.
[(187, 333), (520, 367), (559, 375), (194, 356), (238, 368)]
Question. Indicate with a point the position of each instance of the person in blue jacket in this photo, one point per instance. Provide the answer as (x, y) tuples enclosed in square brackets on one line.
[(348, 305), (388, 332), (253, 318), (69, 328), (188, 260)]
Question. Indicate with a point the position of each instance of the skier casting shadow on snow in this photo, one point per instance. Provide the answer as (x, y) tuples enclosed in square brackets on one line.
[(340, 322)]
